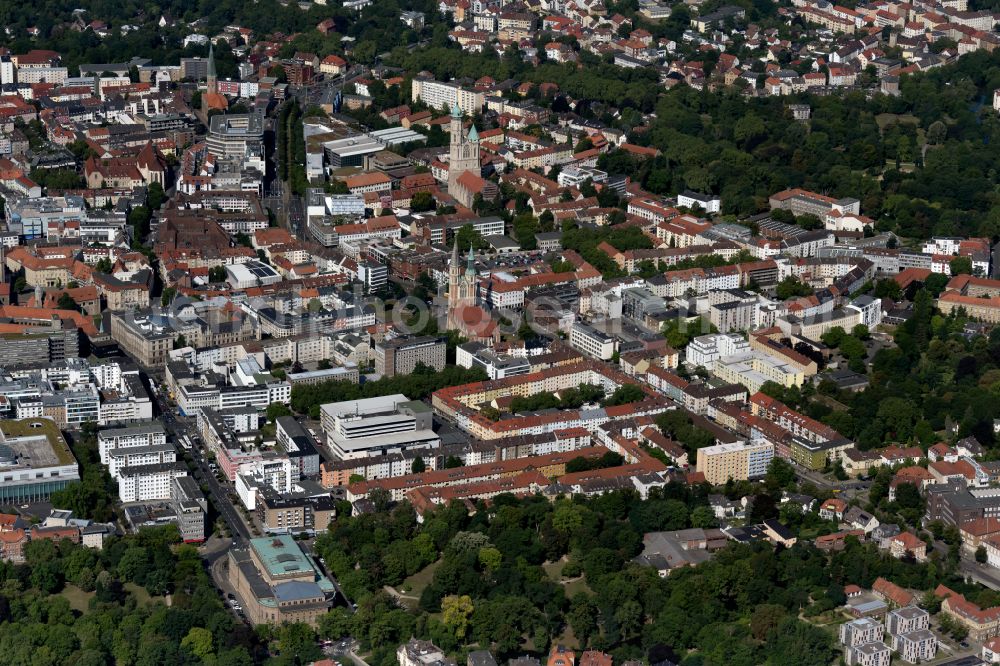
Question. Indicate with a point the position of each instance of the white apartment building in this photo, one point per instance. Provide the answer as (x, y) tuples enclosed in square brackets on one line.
[(860, 631), (276, 473), (906, 620), (753, 369), (592, 342), (868, 654), (708, 202), (191, 399), (151, 434), (149, 483), (439, 95), (943, 245), (705, 349), (916, 647), (139, 456), (736, 461), (870, 309), (125, 410), (57, 75)]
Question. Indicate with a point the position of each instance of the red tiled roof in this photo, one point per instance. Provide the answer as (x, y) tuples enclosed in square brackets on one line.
[(892, 592), (981, 526)]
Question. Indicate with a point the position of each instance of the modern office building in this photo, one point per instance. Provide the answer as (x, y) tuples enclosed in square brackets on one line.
[(591, 341), (374, 426), (295, 512), (497, 366), (348, 373), (400, 356), (236, 135), (916, 647), (190, 508), (298, 445), (705, 349), (35, 460), (907, 619)]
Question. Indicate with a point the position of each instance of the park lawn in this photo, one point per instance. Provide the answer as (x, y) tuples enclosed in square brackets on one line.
[(576, 586), (141, 595), (569, 639), (832, 403), (77, 598), (883, 120), (554, 569), (566, 639), (572, 587), (808, 534), (414, 585)]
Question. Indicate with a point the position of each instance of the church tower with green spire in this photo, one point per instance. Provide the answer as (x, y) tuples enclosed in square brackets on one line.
[(462, 287), (463, 156)]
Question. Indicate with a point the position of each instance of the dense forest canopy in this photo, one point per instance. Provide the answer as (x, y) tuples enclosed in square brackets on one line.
[(73, 605), (521, 573)]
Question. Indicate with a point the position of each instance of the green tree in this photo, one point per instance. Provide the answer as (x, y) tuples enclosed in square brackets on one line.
[(888, 288), (790, 287), (960, 266), (703, 516), (155, 196), (276, 410), (336, 624), (765, 619), (455, 612), (583, 615), (298, 641), (66, 302), (678, 333), (198, 642), (467, 237), (422, 201), (490, 559)]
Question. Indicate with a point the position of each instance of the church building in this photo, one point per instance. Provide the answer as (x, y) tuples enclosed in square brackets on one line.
[(465, 178), (464, 313), (211, 100)]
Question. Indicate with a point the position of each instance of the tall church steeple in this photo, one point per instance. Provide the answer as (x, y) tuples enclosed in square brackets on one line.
[(463, 156), (211, 78), (461, 287)]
